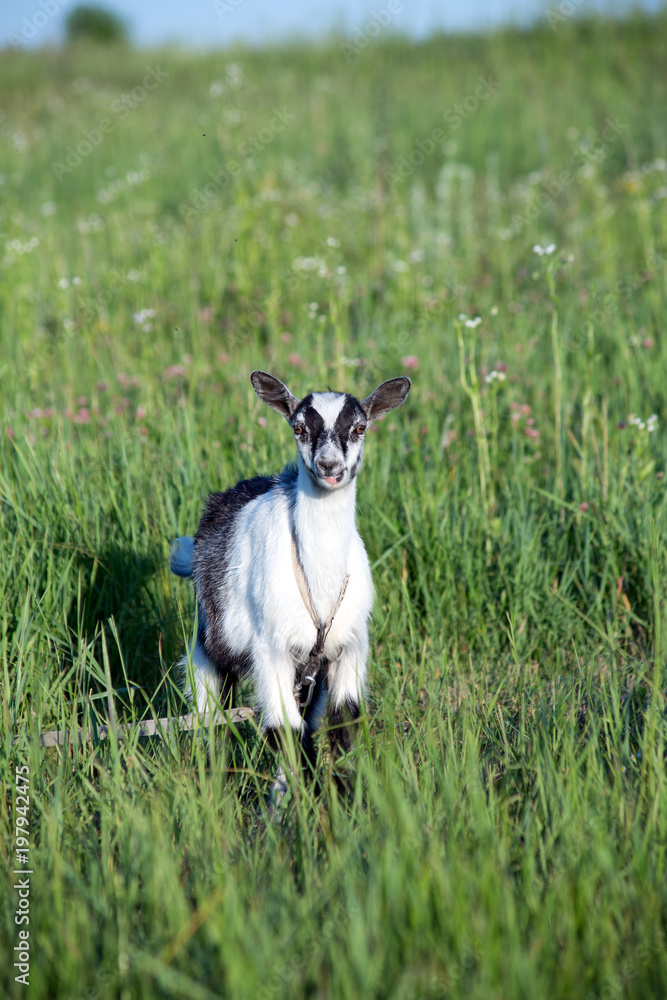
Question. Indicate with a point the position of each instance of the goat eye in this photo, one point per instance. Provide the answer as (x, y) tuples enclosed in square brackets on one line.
[(298, 431), (359, 429)]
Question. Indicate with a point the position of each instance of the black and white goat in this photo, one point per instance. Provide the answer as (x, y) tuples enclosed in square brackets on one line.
[(282, 578)]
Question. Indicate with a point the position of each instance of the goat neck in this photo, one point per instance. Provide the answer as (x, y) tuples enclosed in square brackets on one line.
[(323, 525)]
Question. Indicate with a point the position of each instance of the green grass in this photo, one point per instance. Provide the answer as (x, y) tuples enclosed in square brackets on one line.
[(504, 834)]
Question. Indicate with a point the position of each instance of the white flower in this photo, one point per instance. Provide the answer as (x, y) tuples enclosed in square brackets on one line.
[(143, 315), (462, 316), (63, 283), (494, 376), (541, 251), (472, 323), (332, 241), (494, 310)]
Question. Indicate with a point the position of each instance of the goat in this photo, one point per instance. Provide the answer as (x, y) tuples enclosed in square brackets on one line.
[(281, 575)]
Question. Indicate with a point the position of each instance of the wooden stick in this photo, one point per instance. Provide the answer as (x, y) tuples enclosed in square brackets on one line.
[(149, 727)]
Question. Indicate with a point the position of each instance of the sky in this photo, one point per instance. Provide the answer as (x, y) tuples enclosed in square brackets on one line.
[(216, 23)]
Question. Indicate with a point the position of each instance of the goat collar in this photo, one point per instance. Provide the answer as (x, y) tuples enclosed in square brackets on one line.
[(315, 657)]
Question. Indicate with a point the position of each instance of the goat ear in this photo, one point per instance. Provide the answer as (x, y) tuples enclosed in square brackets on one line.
[(386, 397), (272, 392)]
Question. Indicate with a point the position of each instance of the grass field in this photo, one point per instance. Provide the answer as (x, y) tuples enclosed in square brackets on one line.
[(337, 216)]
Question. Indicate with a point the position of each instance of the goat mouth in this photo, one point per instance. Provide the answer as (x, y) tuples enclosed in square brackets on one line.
[(334, 480)]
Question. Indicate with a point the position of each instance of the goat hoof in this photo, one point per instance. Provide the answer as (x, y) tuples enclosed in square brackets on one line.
[(277, 793)]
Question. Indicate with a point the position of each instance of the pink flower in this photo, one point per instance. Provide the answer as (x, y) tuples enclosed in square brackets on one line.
[(101, 386), (296, 360), (175, 371), (583, 507), (526, 409), (223, 359), (531, 432), (647, 343), (412, 361), (261, 421), (285, 337), (141, 413), (83, 416)]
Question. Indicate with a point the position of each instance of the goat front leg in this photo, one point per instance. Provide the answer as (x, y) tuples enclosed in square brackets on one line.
[(278, 711), (346, 679)]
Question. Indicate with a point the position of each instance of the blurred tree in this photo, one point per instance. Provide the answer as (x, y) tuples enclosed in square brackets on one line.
[(95, 24)]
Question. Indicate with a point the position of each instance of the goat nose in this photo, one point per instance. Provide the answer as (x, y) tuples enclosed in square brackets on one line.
[(326, 468)]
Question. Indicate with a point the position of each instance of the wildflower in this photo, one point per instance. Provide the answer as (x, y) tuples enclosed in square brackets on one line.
[(473, 323), (295, 360), (332, 241), (583, 507), (542, 251), (531, 432), (140, 413), (261, 421), (647, 343), (83, 416), (223, 359), (411, 361), (285, 337), (175, 371), (63, 283), (143, 315), (494, 310), (494, 376)]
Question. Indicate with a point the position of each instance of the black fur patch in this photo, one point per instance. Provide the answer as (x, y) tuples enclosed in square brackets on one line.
[(350, 415)]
